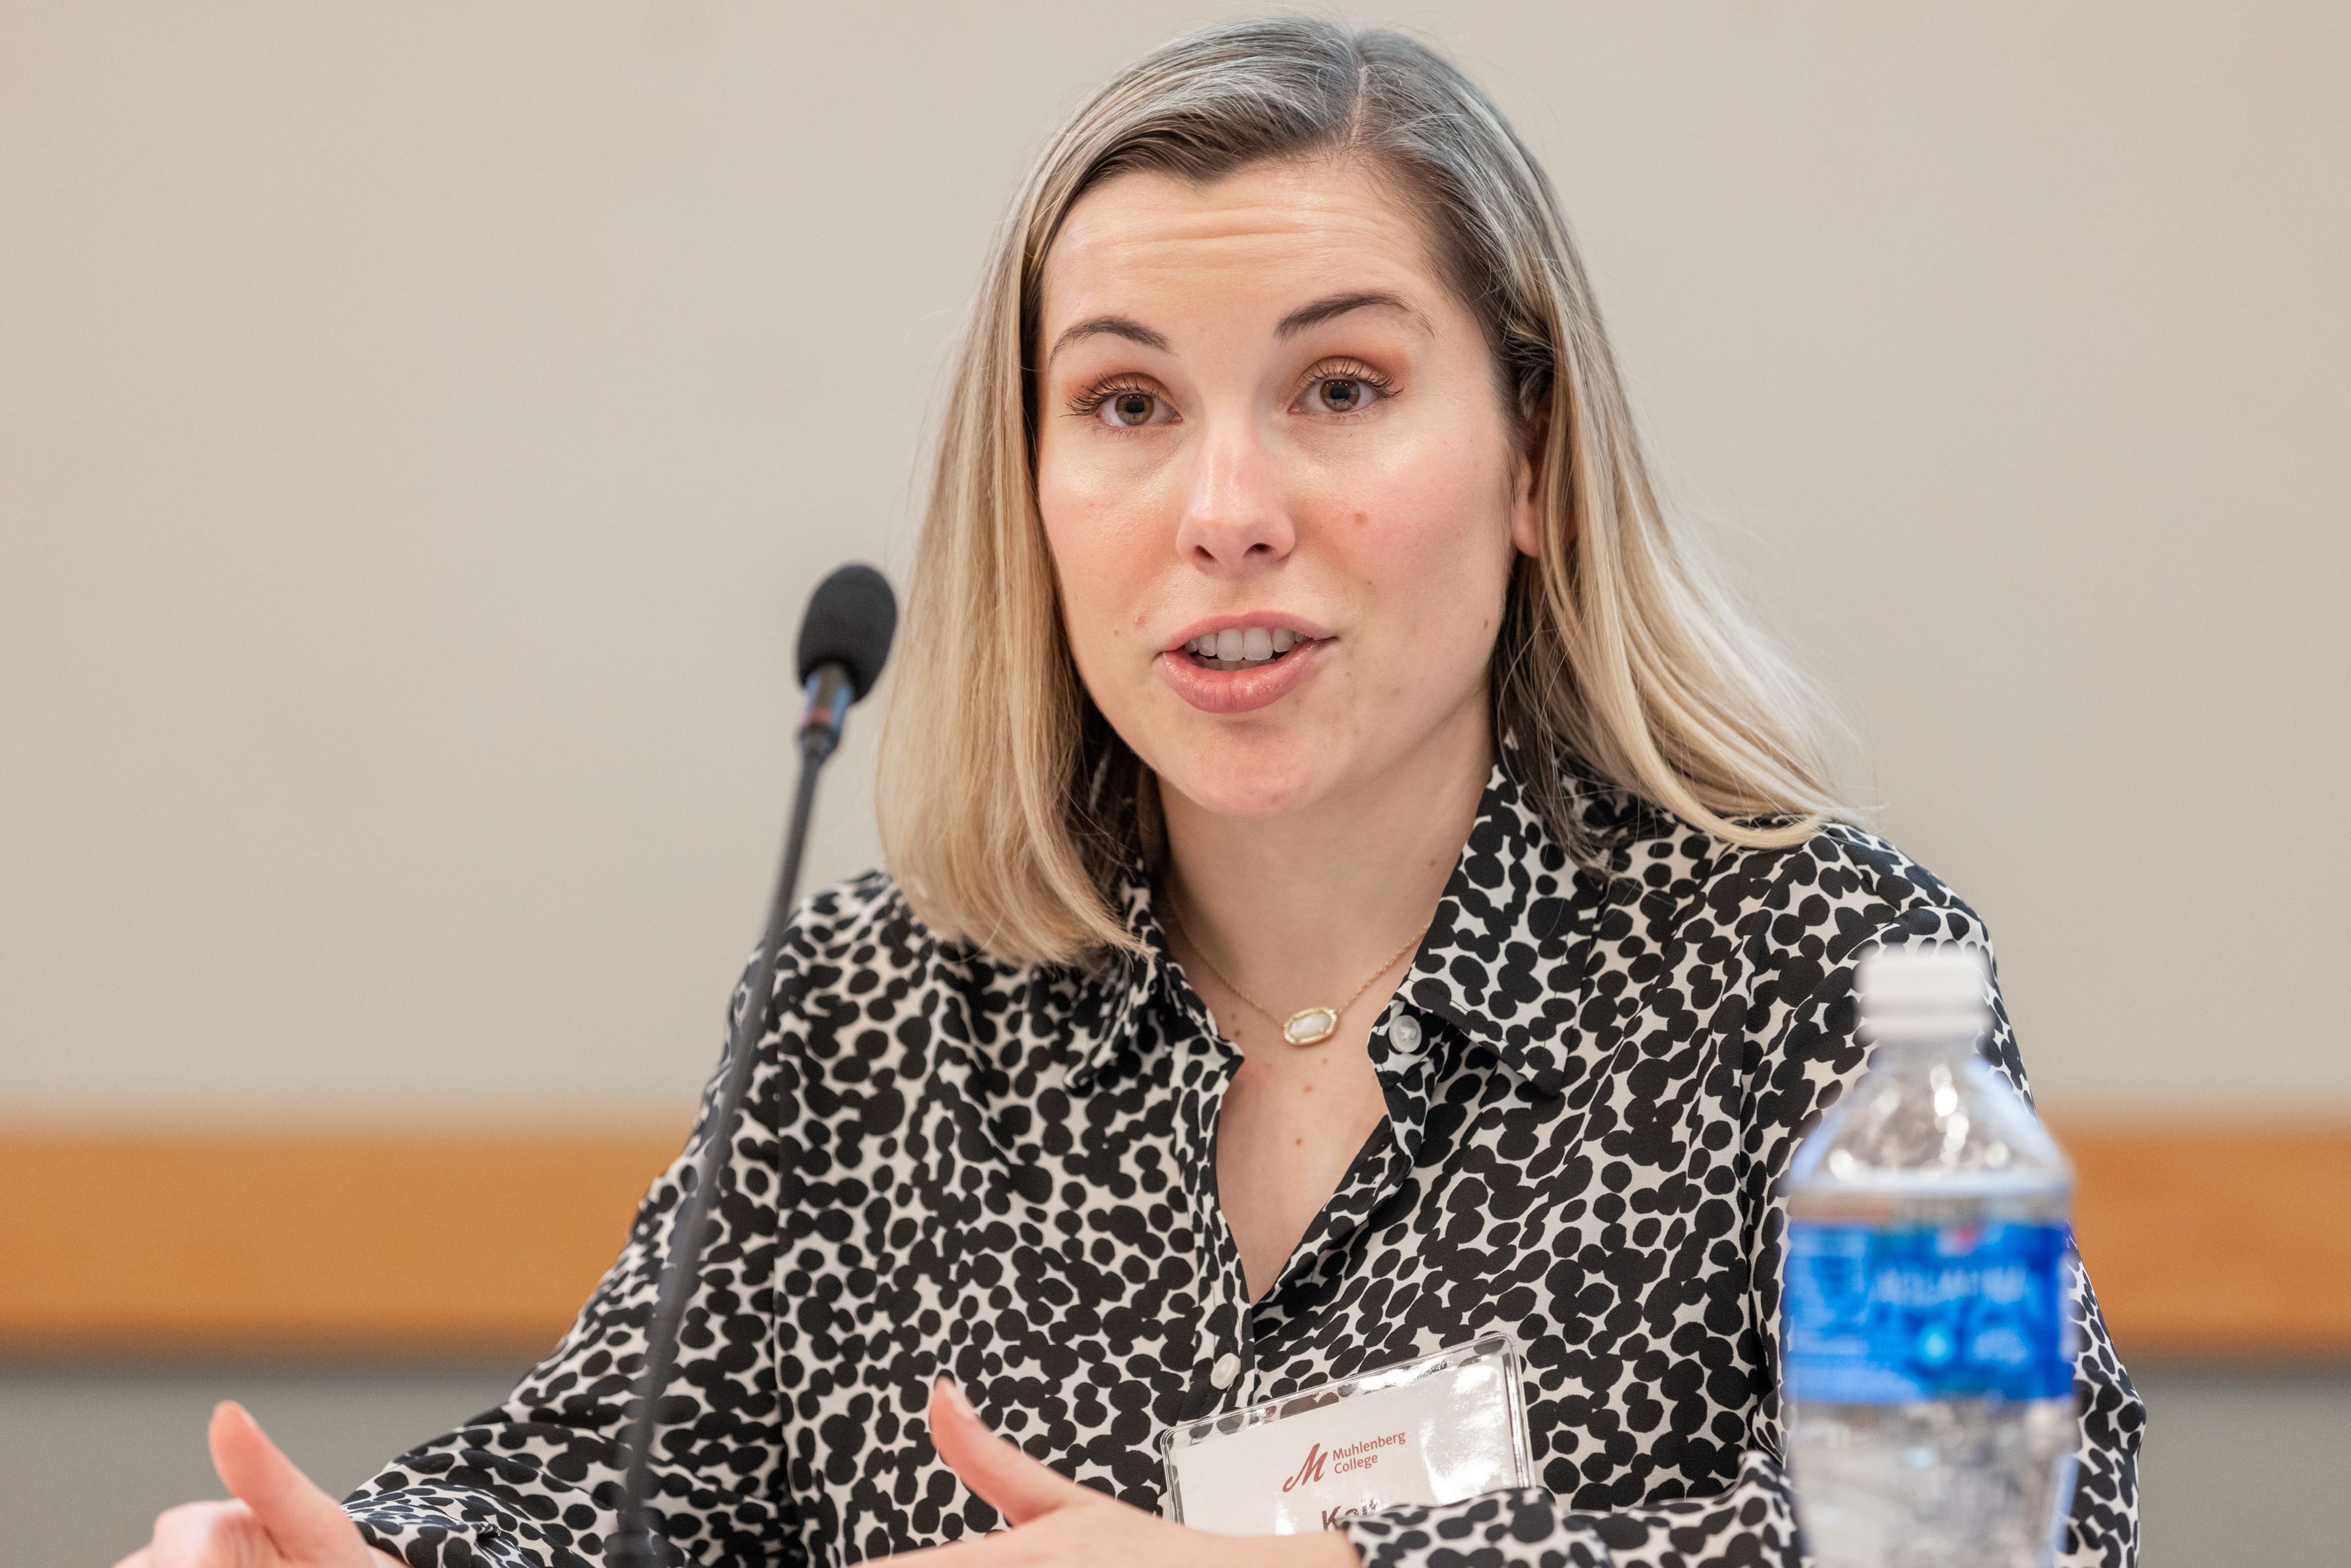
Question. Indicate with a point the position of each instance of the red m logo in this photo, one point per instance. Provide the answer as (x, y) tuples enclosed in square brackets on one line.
[(1311, 1470)]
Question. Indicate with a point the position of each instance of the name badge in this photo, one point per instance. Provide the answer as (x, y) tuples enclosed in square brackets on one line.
[(1440, 1429)]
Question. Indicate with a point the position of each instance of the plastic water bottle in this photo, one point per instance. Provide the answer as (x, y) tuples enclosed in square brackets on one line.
[(1928, 1347)]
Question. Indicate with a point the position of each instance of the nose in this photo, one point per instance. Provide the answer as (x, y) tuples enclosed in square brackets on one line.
[(1234, 520)]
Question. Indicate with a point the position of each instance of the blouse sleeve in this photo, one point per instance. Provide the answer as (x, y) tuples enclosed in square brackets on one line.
[(533, 1483), (1815, 1056)]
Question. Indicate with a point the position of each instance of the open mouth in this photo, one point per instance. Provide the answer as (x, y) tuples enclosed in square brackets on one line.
[(1243, 647)]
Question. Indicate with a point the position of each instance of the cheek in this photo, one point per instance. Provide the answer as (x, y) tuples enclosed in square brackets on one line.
[(1097, 559), (1076, 500), (1440, 529)]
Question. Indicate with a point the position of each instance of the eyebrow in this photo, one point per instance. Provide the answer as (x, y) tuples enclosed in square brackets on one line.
[(1126, 327), (1338, 305), (1296, 322)]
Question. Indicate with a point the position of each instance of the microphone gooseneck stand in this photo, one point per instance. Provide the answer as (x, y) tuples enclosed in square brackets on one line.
[(842, 677)]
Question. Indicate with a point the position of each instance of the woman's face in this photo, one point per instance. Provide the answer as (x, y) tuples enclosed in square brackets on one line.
[(1280, 485)]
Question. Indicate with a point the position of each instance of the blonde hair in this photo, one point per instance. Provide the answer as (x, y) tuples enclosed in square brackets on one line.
[(1010, 810)]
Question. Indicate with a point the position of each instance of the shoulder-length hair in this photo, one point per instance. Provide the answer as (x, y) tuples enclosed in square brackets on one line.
[(1011, 811)]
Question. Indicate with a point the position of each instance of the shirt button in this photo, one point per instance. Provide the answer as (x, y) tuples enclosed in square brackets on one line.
[(1403, 1035), (1228, 1367)]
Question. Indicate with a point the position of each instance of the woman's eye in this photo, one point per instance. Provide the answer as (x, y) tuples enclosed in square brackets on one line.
[(1128, 407), (1340, 394)]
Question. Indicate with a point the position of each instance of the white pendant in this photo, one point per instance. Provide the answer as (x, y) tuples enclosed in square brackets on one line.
[(1313, 1025)]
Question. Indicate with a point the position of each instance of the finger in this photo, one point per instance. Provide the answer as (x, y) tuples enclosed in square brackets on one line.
[(1015, 1485), (301, 1521), (199, 1534)]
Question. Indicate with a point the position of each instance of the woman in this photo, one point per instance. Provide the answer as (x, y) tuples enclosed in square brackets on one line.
[(1356, 887)]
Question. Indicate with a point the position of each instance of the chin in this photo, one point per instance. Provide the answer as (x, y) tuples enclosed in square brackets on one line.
[(1246, 802), (1245, 782)]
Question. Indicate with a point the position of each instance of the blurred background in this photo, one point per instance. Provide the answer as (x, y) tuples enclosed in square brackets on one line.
[(420, 427)]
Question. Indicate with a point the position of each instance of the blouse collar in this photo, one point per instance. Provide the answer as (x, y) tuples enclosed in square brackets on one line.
[(1504, 962)]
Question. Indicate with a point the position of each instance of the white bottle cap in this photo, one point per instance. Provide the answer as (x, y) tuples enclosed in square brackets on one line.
[(1925, 992)]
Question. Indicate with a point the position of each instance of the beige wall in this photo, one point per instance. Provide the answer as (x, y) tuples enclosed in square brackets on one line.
[(420, 423)]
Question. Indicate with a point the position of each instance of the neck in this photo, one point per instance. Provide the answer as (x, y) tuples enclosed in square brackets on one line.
[(1297, 907)]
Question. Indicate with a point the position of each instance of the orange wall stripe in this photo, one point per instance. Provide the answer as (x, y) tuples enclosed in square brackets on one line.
[(381, 1241), (2218, 1243), (2235, 1243)]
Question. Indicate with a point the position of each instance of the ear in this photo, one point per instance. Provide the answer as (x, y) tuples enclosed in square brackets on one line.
[(1527, 520)]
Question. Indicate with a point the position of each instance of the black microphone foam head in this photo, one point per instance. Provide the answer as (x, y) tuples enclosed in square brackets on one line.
[(850, 620)]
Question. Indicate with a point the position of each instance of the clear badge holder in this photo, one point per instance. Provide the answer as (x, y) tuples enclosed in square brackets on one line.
[(1443, 1428)]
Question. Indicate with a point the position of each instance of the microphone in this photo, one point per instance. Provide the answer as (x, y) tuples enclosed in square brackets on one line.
[(844, 638), (844, 641)]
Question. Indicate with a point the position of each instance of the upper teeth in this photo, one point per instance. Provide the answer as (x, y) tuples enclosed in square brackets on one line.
[(1244, 642)]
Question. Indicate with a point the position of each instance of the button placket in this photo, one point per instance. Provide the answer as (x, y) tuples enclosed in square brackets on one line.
[(1223, 1382), (1405, 1037), (1221, 1355)]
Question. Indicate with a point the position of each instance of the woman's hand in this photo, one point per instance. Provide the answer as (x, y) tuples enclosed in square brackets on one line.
[(1056, 1521), (278, 1518)]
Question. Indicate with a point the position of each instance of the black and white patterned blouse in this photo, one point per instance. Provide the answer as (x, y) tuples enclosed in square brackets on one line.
[(953, 1165)]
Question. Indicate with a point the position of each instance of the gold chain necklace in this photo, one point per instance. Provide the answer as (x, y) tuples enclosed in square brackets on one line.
[(1309, 1026)]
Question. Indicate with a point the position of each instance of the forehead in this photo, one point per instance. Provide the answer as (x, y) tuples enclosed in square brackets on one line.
[(1270, 229)]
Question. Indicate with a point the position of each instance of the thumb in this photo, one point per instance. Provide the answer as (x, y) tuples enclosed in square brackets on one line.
[(1016, 1486), (303, 1523)]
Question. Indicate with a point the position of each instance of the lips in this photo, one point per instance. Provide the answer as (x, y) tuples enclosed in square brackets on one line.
[(1242, 666), (1242, 647)]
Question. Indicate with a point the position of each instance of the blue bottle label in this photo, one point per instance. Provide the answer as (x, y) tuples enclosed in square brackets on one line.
[(1884, 1317)]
